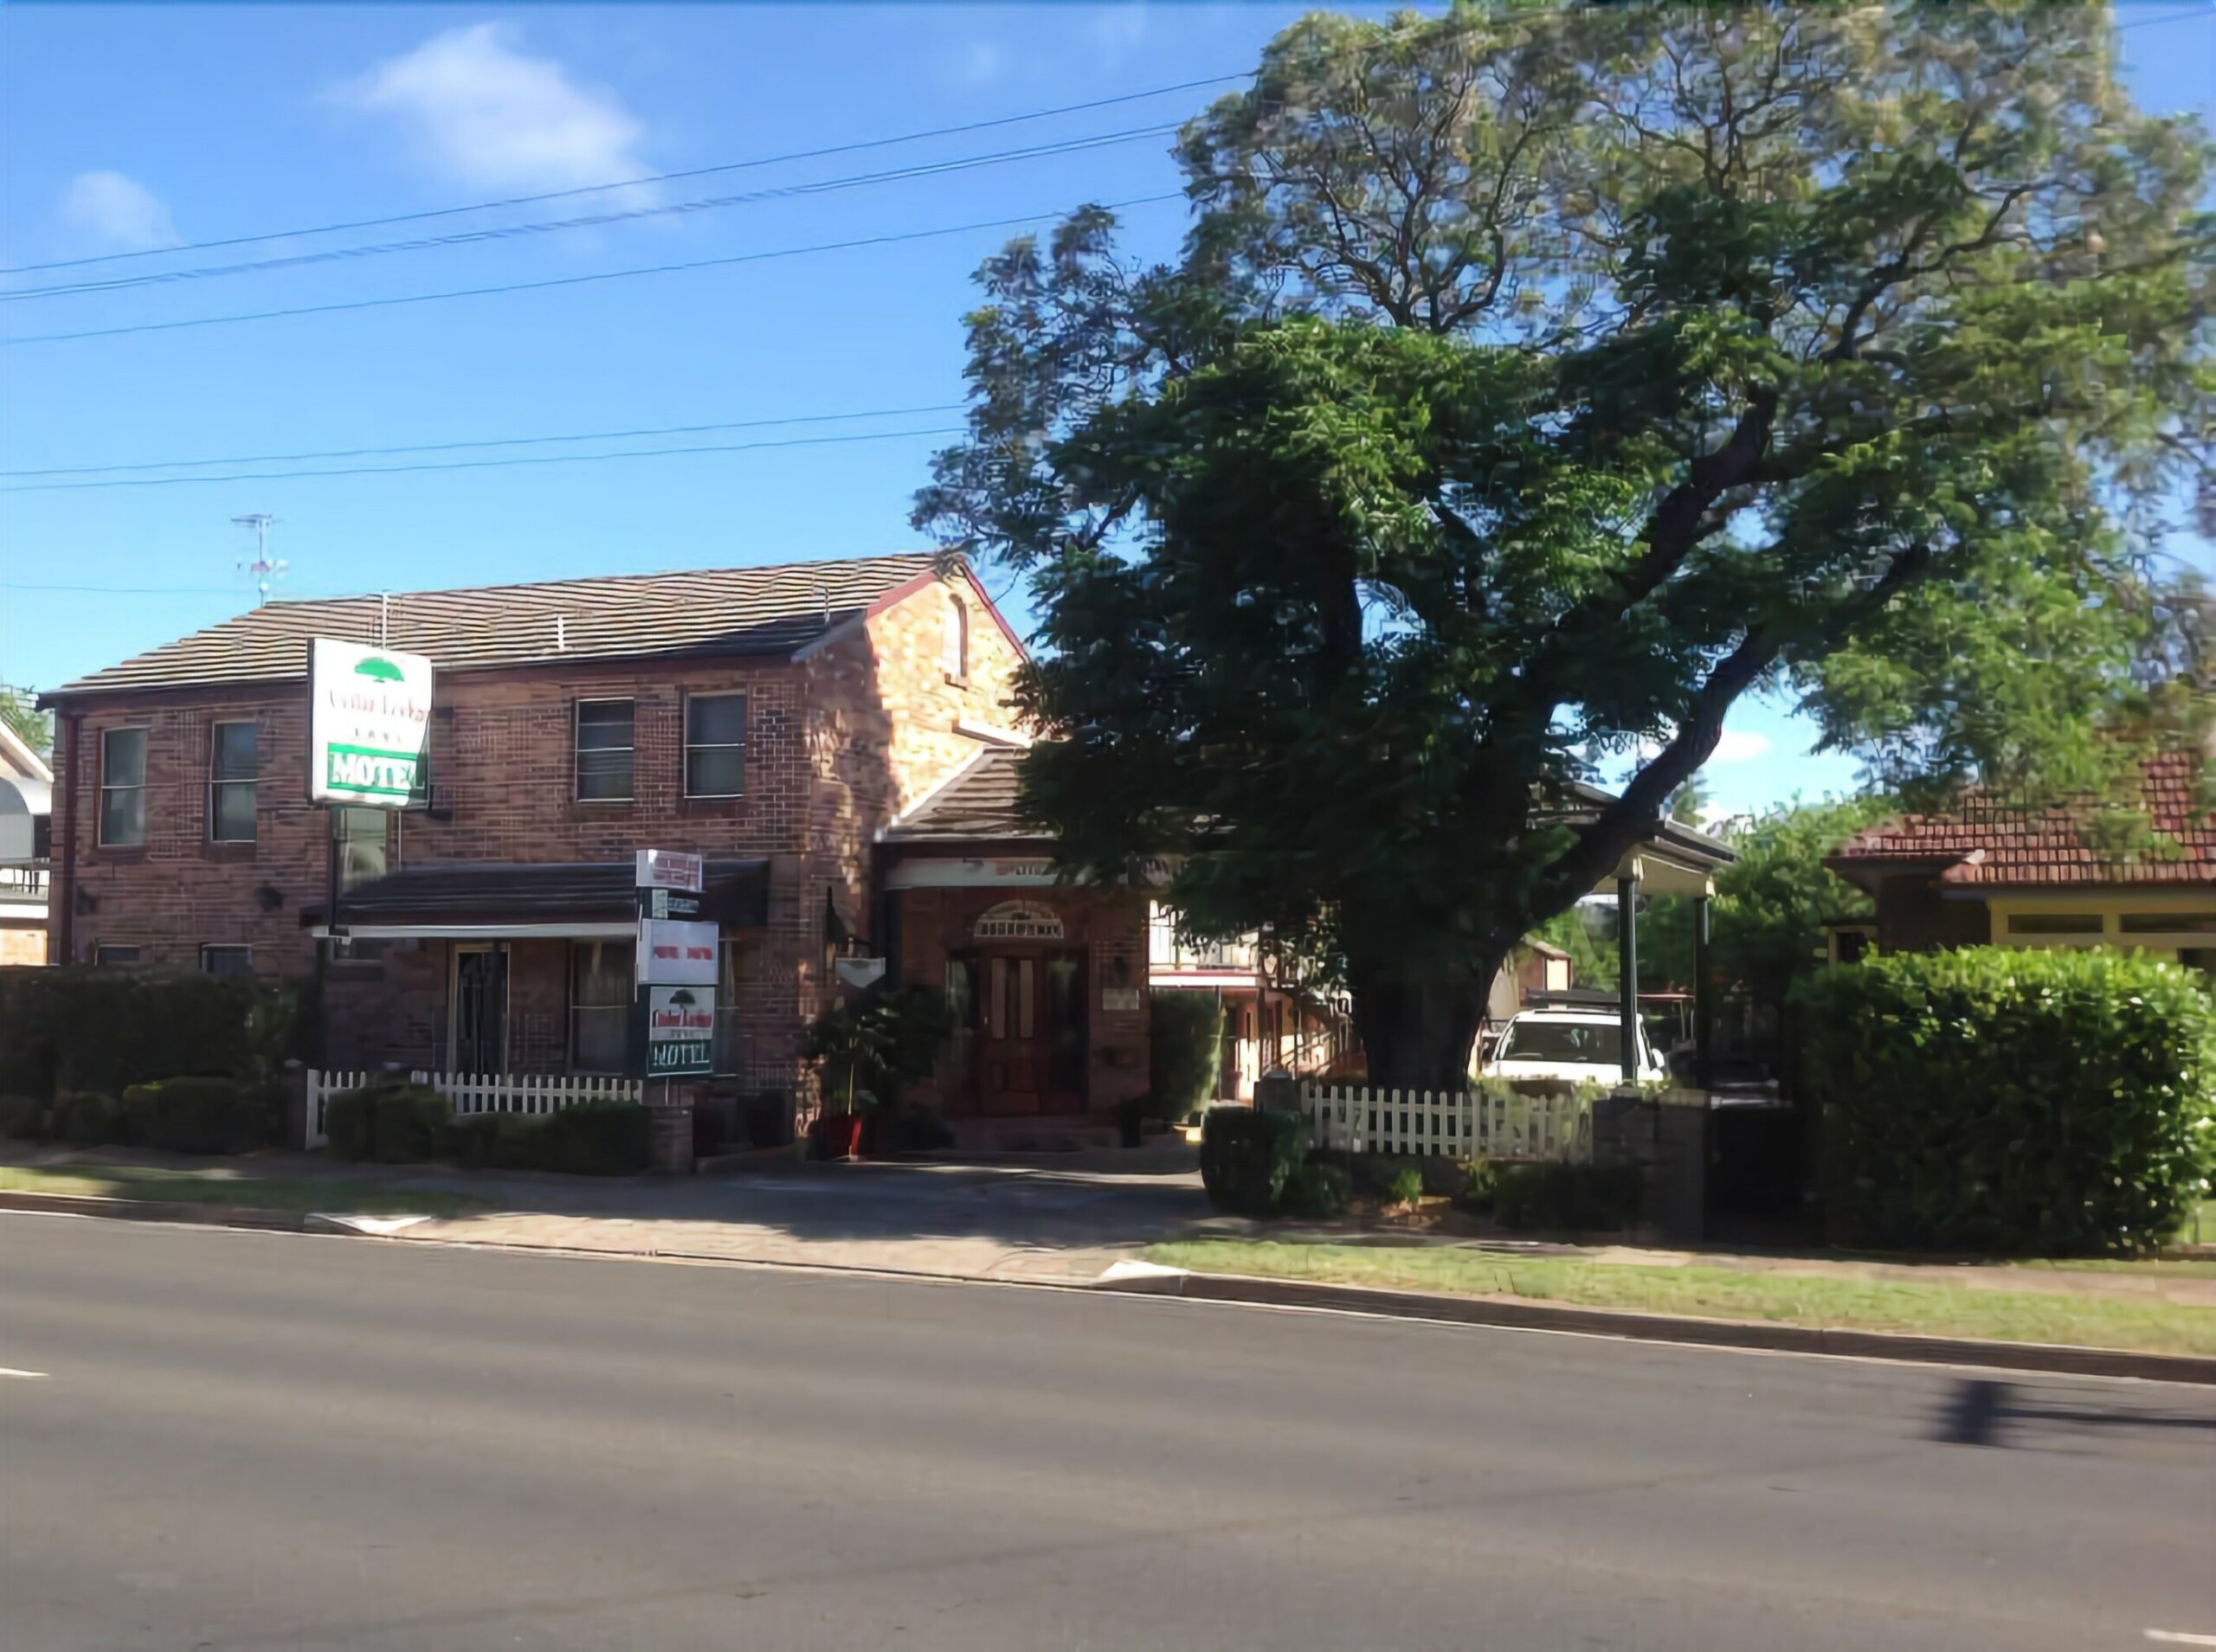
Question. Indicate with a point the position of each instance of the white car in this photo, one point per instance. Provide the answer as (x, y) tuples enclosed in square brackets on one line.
[(1577, 1046)]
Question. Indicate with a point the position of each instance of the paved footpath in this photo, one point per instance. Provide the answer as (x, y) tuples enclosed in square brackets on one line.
[(212, 1439)]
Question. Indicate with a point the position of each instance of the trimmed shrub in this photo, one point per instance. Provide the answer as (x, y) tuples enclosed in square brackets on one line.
[(23, 1118), (86, 1118), (201, 1115), (1571, 1198), (471, 1143), (598, 1139), (387, 1124), (85, 1027), (1316, 1192), (1246, 1155), (2004, 1102), (1184, 1052)]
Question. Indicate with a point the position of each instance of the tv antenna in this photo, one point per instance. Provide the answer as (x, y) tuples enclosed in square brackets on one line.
[(263, 570)]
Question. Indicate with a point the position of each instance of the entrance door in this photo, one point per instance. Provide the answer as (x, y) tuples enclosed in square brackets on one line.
[(1031, 1033), (480, 1007)]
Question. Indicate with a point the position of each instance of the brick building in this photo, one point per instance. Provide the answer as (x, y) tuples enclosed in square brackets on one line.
[(773, 720), (26, 785)]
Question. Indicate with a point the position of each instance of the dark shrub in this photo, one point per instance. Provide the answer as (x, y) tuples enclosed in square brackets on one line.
[(2007, 1101), (598, 1139), (86, 1118), (1316, 1192), (387, 1124), (1246, 1156), (1573, 1197), (201, 1115), (1184, 1052), (84, 1027), (23, 1118), (472, 1143)]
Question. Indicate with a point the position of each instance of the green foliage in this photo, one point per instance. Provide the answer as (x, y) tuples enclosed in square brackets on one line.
[(387, 1124), (88, 1118), (596, 1139), (20, 713), (2003, 1102), (201, 1115), (84, 1027), (1566, 1198), (23, 1118), (1594, 959), (1406, 1188), (869, 1048), (1316, 1192), (1247, 1155), (1361, 535), (1184, 1052), (1766, 921)]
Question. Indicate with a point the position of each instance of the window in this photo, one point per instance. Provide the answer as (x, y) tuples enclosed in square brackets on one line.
[(123, 787), (115, 954), (2054, 923), (227, 960), (600, 1006), (2168, 922), (231, 767), (737, 963), (956, 640), (604, 751), (715, 745), (360, 835)]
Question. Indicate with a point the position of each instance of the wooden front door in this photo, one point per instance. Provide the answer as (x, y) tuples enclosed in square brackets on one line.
[(1031, 1032)]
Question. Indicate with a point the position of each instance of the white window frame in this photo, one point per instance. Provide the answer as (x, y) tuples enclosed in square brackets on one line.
[(690, 745), (108, 786), (215, 787), (577, 749)]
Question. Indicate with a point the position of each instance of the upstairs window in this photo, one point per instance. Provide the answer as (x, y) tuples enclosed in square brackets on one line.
[(232, 766), (954, 643), (604, 751), (715, 745), (123, 788), (360, 837)]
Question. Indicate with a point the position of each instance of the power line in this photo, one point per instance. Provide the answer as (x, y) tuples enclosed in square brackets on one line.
[(636, 182), (486, 464), (571, 281), (2174, 17), (509, 232), (490, 442)]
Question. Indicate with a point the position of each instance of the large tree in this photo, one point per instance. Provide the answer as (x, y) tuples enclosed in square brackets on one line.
[(19, 710), (1534, 383)]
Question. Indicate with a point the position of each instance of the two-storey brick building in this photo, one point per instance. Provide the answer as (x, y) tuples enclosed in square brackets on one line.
[(774, 720)]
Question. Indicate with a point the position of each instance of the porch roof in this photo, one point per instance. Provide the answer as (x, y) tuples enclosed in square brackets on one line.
[(488, 899)]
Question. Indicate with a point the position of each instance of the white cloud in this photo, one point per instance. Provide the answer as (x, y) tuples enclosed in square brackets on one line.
[(481, 111), (117, 213)]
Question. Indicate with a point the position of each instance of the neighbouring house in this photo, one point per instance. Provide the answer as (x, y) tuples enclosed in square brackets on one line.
[(1989, 873), (1536, 970), (772, 720), (26, 794), (1273, 1021)]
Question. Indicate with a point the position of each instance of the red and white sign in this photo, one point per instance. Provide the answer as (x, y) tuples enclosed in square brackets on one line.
[(675, 953), (669, 869)]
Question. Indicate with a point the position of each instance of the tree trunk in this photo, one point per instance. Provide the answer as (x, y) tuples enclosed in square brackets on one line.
[(1417, 1024)]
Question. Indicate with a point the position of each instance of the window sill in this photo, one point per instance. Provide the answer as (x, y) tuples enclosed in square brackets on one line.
[(228, 849), (117, 852)]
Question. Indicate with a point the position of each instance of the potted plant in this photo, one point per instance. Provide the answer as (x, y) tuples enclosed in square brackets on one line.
[(868, 1049)]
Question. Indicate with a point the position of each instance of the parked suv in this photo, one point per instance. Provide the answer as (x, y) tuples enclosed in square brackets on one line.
[(1582, 1046)]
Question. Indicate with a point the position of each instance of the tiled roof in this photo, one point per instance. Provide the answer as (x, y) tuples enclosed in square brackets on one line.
[(978, 802), (1991, 845), (718, 611)]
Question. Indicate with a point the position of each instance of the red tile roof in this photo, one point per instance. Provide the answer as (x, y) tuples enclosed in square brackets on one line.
[(1991, 845)]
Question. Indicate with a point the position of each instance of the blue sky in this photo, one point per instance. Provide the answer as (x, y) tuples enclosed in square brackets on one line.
[(130, 127)]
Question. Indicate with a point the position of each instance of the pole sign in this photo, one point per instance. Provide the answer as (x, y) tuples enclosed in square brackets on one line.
[(677, 952), (670, 869), (369, 722), (681, 1032)]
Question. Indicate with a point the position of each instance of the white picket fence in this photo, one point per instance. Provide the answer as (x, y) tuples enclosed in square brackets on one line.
[(1460, 1124), (469, 1093)]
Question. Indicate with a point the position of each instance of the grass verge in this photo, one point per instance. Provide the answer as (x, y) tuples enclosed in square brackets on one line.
[(335, 1196), (1722, 1294)]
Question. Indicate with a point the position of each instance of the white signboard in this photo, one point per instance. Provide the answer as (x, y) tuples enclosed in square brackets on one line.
[(368, 721), (669, 869), (675, 952)]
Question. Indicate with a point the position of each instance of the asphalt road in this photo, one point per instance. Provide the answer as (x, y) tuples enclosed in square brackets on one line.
[(264, 1441)]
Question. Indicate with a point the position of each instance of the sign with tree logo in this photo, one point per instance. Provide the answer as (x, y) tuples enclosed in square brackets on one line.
[(369, 722), (681, 1032)]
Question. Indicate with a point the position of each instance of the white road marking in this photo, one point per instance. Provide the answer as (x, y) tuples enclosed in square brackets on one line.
[(28, 1376), (2179, 1638)]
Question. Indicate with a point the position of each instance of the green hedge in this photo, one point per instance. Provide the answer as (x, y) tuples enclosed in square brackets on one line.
[(1184, 1052), (84, 1027), (2004, 1102), (201, 1115), (387, 1124), (1562, 1198), (1247, 1155), (407, 1124)]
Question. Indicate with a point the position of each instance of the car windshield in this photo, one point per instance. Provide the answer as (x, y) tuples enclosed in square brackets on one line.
[(1595, 1043)]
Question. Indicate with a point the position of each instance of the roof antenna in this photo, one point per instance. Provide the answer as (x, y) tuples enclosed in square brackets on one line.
[(264, 572)]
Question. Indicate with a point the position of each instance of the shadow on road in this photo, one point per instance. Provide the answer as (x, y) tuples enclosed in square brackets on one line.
[(1984, 1412)]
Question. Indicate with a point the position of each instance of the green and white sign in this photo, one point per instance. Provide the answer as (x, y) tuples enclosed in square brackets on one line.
[(680, 1031), (369, 722)]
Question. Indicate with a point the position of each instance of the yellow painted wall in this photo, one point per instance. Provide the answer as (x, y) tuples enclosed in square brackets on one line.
[(2111, 905)]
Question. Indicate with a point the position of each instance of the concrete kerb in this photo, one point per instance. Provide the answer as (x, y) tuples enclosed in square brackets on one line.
[(1504, 1313)]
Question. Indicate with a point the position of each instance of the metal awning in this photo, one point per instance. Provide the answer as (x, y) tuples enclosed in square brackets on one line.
[(479, 900)]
